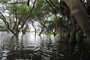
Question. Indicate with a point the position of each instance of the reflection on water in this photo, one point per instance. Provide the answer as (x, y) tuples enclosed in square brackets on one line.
[(28, 47)]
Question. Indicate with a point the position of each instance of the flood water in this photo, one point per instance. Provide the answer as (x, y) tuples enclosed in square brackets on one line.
[(27, 47)]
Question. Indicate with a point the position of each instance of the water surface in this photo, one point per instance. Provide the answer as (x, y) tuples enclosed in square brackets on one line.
[(29, 47)]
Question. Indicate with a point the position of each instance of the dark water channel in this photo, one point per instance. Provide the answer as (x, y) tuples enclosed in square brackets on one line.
[(27, 47)]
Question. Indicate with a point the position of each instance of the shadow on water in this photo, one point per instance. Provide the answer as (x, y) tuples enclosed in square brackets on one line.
[(29, 47)]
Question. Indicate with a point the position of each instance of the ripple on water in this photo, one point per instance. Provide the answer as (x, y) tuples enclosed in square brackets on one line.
[(40, 49)]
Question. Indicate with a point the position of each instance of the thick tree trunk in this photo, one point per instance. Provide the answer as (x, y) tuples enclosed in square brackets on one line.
[(80, 14)]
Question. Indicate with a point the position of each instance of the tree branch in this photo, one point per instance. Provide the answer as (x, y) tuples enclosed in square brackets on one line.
[(28, 15), (5, 22), (59, 12)]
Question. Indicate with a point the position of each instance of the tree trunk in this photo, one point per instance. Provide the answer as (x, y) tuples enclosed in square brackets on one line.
[(68, 35), (73, 34), (41, 32), (60, 34), (72, 37), (78, 11), (17, 32), (34, 28)]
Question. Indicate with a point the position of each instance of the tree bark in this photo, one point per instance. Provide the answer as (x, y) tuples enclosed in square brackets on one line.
[(72, 37), (68, 34), (78, 11), (41, 32), (60, 34)]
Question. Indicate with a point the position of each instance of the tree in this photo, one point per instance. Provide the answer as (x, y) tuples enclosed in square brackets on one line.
[(59, 26), (62, 9), (80, 14), (15, 29), (41, 14)]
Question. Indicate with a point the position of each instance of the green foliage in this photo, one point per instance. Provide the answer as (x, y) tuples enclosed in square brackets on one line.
[(60, 21), (51, 25), (65, 10), (40, 12), (21, 10), (3, 29)]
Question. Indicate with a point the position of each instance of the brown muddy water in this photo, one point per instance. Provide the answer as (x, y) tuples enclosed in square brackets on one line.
[(29, 47)]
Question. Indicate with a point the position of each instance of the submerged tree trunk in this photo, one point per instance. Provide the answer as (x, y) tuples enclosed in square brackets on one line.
[(78, 11)]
